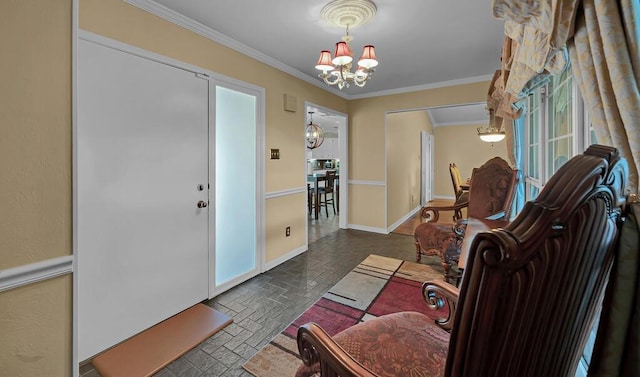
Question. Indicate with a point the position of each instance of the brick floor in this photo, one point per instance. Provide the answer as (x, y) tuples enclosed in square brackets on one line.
[(264, 305)]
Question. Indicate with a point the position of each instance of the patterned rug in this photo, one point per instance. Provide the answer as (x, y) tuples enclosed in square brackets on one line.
[(377, 286)]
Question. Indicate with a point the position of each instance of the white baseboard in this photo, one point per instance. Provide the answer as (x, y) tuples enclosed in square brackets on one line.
[(403, 219), (286, 257), (368, 229)]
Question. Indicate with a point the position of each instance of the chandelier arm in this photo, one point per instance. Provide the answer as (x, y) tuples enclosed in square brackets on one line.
[(342, 73), (325, 78)]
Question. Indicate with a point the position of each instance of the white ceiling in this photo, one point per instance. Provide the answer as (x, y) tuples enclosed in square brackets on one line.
[(419, 43)]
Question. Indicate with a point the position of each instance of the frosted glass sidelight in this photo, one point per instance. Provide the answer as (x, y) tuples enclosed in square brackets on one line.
[(235, 184)]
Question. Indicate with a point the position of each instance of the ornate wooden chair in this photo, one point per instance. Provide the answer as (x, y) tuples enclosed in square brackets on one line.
[(460, 191), (526, 304), (492, 189)]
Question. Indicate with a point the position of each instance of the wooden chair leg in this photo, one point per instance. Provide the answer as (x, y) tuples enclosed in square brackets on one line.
[(333, 202), (418, 251)]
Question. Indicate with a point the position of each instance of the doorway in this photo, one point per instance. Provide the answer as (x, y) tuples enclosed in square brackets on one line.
[(331, 155)]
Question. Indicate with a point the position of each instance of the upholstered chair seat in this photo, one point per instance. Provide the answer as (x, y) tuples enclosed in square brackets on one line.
[(394, 345)]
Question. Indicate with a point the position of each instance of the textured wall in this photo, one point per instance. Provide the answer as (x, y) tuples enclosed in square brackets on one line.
[(35, 141), (35, 183), (404, 167)]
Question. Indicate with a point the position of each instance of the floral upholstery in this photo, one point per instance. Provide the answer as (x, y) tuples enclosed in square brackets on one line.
[(398, 344)]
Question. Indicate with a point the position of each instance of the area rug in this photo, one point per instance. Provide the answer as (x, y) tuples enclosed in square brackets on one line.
[(377, 286)]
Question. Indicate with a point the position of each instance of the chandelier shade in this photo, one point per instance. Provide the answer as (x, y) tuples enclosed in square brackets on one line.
[(343, 54), (368, 59), (324, 62)]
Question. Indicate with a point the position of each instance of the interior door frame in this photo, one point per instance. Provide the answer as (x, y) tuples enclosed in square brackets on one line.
[(426, 174), (343, 147)]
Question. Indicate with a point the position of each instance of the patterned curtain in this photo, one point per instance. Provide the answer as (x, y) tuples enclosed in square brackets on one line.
[(602, 38), (606, 64)]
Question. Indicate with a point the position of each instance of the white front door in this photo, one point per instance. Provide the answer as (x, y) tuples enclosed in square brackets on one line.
[(142, 169)]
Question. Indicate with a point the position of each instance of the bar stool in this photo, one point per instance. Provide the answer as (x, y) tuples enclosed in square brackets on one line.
[(328, 189)]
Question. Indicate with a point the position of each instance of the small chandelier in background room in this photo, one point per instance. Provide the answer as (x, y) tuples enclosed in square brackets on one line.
[(491, 133), (314, 134), (337, 71)]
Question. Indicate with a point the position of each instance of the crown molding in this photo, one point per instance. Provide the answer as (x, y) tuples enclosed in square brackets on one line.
[(176, 18), (416, 88)]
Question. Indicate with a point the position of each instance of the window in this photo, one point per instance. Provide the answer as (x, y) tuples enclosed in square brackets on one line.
[(555, 130)]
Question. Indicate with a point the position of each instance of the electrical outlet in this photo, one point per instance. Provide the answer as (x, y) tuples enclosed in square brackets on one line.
[(287, 231)]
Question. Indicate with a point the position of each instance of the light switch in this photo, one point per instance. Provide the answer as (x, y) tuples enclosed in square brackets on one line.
[(275, 154)]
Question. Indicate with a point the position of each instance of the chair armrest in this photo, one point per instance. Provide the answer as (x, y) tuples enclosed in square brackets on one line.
[(432, 213), (439, 295), (497, 216), (316, 346), (464, 187)]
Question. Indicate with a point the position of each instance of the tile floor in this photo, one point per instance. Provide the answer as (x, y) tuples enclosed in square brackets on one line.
[(264, 305)]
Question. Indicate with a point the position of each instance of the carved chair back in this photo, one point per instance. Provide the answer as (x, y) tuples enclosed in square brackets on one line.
[(492, 188), (455, 179), (531, 290)]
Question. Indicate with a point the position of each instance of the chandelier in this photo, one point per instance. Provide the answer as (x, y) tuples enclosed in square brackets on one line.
[(314, 134), (337, 70), (491, 133)]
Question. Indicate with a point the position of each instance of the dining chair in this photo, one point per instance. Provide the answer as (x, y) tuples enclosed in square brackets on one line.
[(326, 190)]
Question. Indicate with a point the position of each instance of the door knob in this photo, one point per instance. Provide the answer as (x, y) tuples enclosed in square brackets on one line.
[(202, 204)]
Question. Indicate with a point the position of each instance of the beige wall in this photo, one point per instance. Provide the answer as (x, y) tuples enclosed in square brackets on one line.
[(35, 188), (403, 148), (460, 144), (367, 144), (36, 328)]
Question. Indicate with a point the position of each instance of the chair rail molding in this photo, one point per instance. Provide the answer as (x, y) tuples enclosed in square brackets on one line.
[(281, 193), (19, 276)]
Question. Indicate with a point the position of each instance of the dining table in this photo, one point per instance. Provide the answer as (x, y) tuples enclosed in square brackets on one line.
[(316, 178)]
